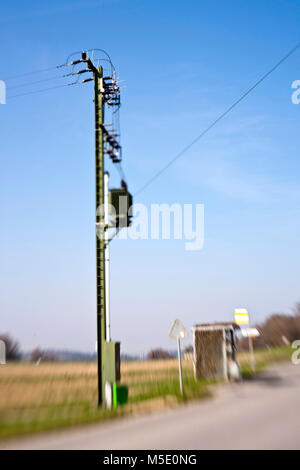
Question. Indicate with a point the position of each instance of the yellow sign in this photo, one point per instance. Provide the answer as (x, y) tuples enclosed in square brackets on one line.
[(241, 316)]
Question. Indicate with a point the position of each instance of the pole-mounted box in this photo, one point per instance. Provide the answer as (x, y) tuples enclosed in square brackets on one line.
[(112, 361), (120, 202)]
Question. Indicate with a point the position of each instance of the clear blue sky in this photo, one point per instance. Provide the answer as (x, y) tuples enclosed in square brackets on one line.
[(183, 63)]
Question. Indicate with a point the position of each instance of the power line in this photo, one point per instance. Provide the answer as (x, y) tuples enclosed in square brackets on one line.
[(40, 91), (35, 82), (33, 72), (115, 115), (227, 111)]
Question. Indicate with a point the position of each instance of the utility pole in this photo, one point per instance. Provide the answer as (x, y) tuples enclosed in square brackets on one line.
[(106, 92), (100, 242)]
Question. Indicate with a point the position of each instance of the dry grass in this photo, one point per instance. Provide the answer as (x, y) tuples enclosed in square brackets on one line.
[(60, 394), (24, 384), (48, 395)]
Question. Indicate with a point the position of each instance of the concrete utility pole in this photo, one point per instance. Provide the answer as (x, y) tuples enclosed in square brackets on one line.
[(106, 93), (100, 242)]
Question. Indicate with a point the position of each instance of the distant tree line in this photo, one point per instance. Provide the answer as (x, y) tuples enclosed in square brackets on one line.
[(159, 353), (278, 329), (38, 355), (12, 348)]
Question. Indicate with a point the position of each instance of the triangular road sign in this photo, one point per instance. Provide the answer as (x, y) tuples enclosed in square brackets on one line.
[(177, 330)]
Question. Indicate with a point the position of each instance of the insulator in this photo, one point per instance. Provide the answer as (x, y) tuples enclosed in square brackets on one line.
[(82, 71), (75, 62), (87, 80)]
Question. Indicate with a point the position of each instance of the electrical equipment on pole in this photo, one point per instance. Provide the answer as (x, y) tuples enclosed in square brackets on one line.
[(106, 94)]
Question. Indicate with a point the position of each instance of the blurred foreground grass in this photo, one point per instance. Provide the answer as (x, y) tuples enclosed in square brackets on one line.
[(55, 395), (263, 358)]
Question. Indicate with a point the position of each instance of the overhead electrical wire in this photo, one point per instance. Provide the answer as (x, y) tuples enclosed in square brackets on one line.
[(218, 119), (112, 72), (32, 73), (115, 114), (35, 82), (40, 91)]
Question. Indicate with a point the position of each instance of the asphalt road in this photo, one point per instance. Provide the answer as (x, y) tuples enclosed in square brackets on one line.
[(259, 414)]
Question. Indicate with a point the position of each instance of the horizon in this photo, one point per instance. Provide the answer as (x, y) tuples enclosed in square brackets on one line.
[(244, 171)]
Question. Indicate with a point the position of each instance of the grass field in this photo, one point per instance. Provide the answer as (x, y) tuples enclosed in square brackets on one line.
[(54, 395)]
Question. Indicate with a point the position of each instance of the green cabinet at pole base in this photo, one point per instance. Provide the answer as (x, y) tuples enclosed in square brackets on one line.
[(120, 394)]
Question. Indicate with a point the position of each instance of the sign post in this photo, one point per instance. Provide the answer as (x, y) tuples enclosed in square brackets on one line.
[(179, 365), (252, 358), (241, 317), (178, 331)]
